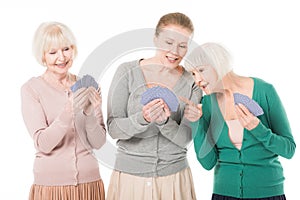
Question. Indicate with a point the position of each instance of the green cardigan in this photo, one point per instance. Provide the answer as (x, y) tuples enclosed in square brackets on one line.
[(255, 170)]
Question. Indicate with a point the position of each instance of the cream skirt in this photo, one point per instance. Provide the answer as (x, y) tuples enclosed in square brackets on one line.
[(85, 191), (177, 186)]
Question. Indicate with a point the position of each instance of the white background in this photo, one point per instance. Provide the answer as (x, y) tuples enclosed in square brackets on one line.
[(263, 36)]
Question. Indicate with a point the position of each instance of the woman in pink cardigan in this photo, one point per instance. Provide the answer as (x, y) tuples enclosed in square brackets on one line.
[(65, 126)]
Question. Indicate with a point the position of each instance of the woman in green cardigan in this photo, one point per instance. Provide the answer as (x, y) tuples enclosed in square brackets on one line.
[(243, 148)]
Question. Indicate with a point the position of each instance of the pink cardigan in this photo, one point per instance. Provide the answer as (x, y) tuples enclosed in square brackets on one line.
[(63, 141)]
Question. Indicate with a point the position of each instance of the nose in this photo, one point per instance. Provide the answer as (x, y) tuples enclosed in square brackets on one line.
[(61, 55), (174, 49), (197, 77)]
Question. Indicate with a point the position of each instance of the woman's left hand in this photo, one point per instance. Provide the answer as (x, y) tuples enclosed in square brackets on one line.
[(246, 118), (95, 100)]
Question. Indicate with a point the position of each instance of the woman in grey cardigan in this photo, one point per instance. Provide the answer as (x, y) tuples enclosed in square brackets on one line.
[(152, 141)]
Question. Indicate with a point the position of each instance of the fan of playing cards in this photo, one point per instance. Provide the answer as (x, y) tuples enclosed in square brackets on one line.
[(249, 103), (86, 81), (161, 93)]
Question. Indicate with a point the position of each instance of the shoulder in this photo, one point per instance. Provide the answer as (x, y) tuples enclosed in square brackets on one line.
[(265, 92), (127, 66), (262, 84), (31, 86), (31, 83)]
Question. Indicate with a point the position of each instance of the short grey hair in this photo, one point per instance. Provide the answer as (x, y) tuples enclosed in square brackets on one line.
[(212, 54)]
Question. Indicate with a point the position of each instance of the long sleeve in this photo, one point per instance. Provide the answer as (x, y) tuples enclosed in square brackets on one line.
[(95, 128), (45, 136), (278, 138), (147, 149), (180, 133), (120, 124), (203, 130), (255, 164)]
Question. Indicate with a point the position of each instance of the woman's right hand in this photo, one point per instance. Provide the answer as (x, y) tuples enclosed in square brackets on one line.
[(156, 111), (192, 111), (95, 100)]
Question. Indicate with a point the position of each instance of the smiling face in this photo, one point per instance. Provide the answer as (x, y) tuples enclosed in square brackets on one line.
[(172, 43), (206, 78), (54, 46), (59, 59)]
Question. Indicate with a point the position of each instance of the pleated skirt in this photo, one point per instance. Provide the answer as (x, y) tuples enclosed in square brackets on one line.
[(177, 186), (85, 191)]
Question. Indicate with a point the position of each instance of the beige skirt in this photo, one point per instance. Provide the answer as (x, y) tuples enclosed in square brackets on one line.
[(177, 186), (85, 191)]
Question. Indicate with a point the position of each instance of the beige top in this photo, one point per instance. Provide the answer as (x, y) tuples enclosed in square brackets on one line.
[(63, 141), (236, 132)]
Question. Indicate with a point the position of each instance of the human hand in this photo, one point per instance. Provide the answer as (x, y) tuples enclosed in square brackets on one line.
[(156, 111), (246, 118), (165, 114), (80, 99), (191, 111), (95, 100)]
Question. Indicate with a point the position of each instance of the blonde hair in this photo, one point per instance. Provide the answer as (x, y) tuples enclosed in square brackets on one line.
[(175, 18), (212, 54), (49, 34)]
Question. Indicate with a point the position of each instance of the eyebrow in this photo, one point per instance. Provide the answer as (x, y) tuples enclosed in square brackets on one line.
[(168, 38)]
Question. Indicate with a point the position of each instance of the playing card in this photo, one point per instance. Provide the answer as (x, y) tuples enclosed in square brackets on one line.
[(83, 81), (163, 93), (249, 103), (94, 83), (76, 86), (86, 81)]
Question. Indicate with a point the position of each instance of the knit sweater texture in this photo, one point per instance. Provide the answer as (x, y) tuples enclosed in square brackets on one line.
[(64, 141), (255, 170), (147, 149)]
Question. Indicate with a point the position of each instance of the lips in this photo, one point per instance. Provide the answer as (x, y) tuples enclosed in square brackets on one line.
[(172, 59), (62, 65), (203, 85)]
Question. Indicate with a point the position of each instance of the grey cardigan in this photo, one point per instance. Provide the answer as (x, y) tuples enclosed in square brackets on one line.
[(147, 149)]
